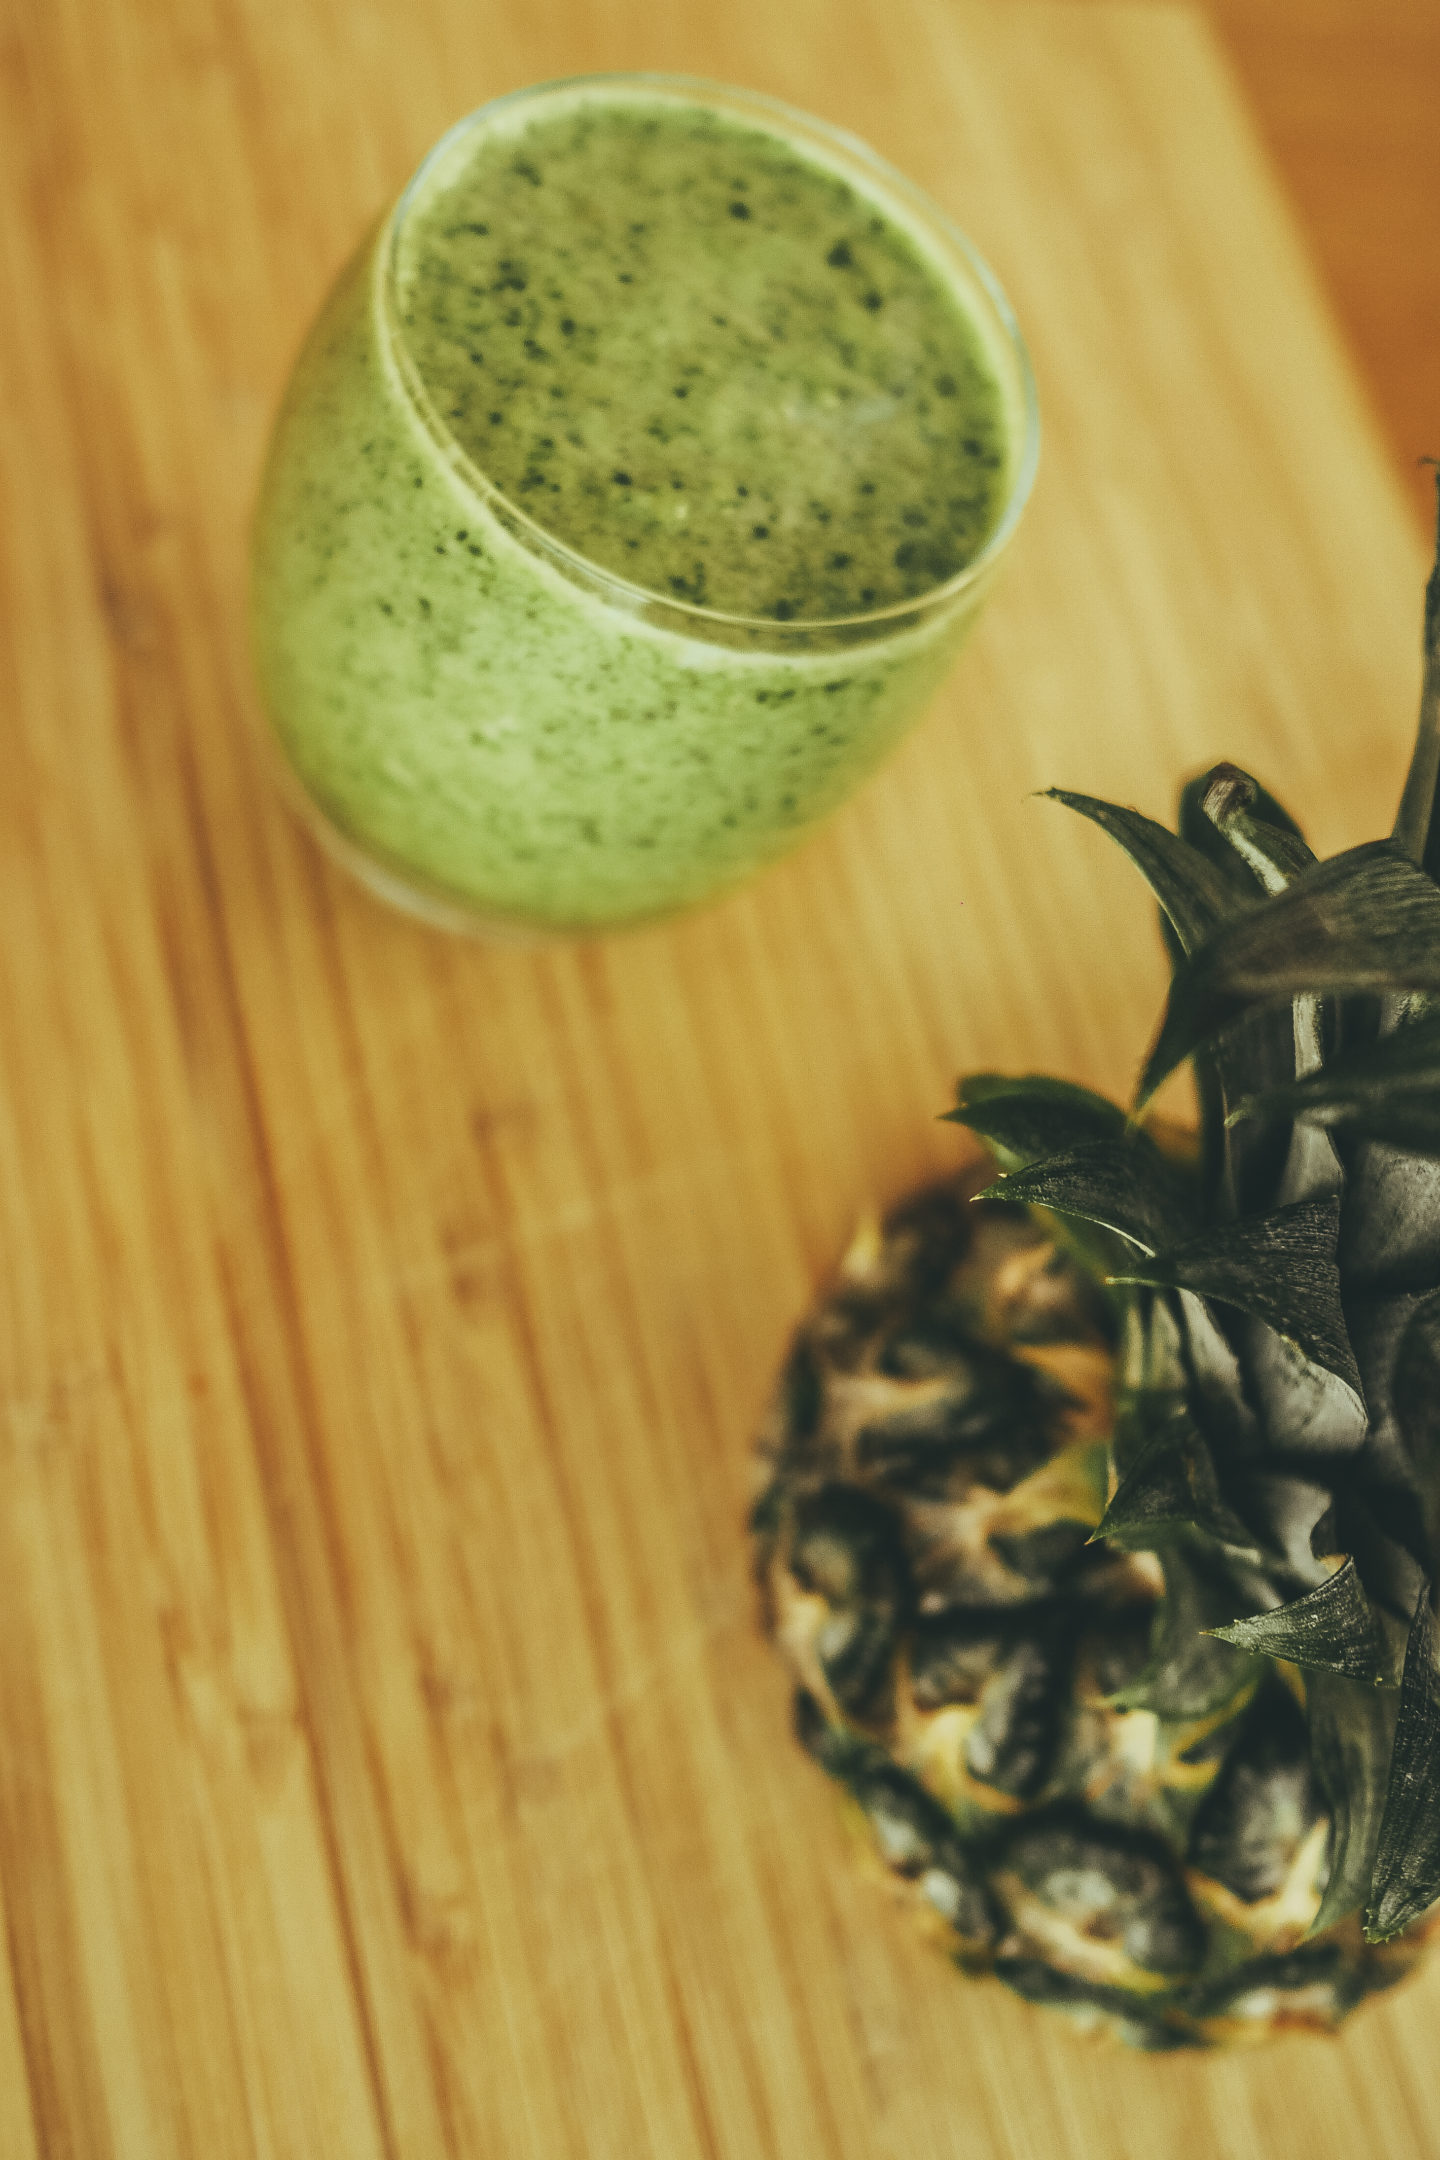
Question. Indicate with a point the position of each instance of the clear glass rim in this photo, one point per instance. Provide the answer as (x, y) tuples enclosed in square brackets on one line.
[(854, 157)]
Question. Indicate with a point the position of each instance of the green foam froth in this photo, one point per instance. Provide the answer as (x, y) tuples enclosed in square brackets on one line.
[(703, 361)]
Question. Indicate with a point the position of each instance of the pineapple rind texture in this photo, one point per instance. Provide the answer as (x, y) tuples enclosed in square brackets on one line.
[(1101, 1514), (936, 1464)]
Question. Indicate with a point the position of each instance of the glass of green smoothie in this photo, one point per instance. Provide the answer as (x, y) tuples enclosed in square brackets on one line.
[(629, 499)]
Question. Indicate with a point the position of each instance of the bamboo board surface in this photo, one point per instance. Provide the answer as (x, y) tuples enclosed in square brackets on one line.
[(389, 1766), (1344, 98)]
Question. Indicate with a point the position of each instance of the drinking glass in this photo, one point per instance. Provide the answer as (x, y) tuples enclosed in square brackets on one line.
[(503, 733)]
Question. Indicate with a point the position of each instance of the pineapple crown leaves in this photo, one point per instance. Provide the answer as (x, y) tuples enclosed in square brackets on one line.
[(1388, 1089), (1280, 1381), (1280, 1267), (1367, 920)]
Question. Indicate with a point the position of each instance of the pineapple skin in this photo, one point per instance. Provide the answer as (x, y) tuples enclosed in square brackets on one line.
[(934, 1465)]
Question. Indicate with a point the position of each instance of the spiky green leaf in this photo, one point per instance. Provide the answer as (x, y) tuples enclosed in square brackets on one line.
[(1021, 1120), (1332, 1628), (1171, 1489), (1367, 920), (1194, 894), (1352, 1728), (1279, 1267), (1124, 1185), (1407, 1862)]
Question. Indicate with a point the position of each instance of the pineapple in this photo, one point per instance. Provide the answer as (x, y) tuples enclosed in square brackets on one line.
[(1101, 1503)]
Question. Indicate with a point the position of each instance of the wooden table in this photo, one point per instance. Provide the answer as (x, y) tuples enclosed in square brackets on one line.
[(390, 1766), (1345, 96)]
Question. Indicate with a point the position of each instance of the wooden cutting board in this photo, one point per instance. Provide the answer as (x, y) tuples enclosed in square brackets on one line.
[(390, 1766)]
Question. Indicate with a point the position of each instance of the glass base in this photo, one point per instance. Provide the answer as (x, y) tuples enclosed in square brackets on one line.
[(392, 886)]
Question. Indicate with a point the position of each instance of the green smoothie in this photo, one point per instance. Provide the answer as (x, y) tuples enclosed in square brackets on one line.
[(628, 501)]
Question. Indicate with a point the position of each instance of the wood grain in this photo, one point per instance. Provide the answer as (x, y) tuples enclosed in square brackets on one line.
[(1345, 99), (390, 1765)]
